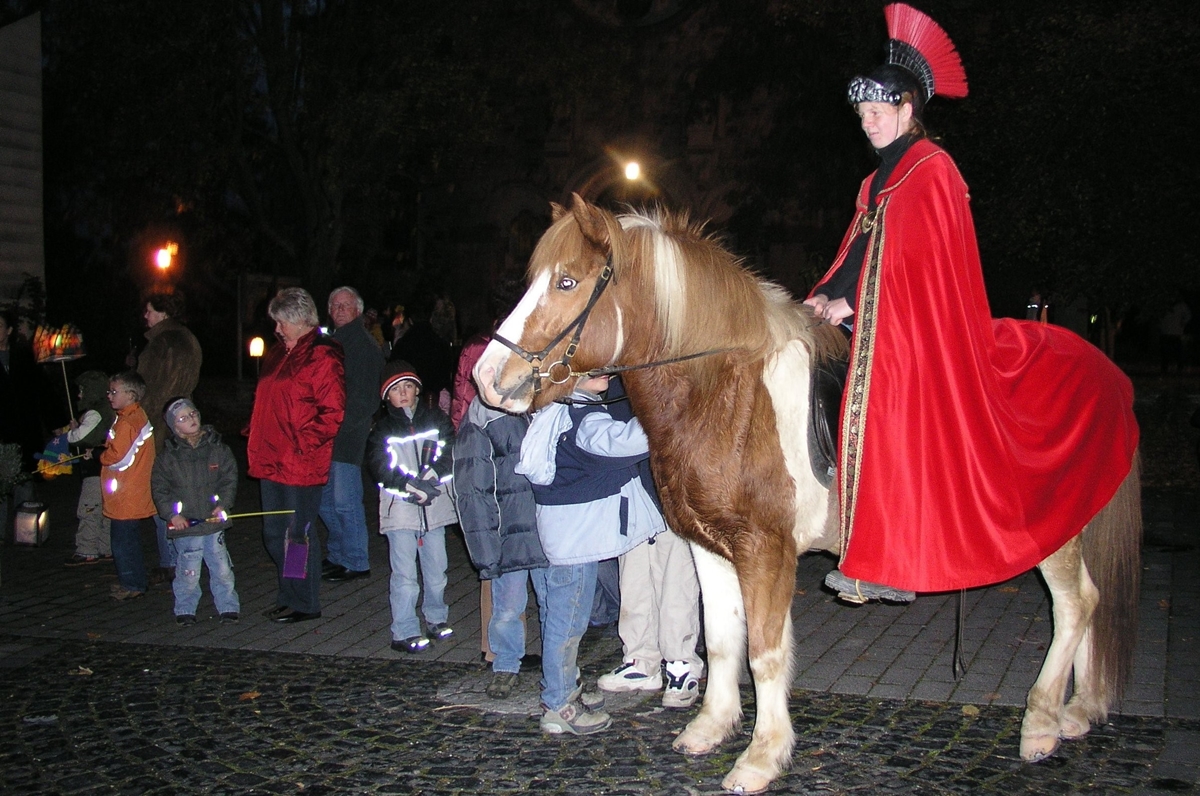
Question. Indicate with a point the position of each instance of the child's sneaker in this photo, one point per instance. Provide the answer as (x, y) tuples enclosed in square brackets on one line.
[(412, 644), (119, 592), (183, 620), (628, 677), (440, 630), (682, 688), (575, 719), (502, 685), (79, 560)]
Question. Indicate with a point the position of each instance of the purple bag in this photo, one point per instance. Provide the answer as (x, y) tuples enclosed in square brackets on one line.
[(295, 556)]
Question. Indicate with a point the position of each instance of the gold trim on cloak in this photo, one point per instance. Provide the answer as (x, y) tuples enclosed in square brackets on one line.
[(858, 380)]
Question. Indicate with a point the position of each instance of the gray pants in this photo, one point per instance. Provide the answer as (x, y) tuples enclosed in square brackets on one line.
[(93, 537)]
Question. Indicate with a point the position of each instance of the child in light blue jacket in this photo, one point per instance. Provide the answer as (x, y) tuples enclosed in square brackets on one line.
[(594, 501)]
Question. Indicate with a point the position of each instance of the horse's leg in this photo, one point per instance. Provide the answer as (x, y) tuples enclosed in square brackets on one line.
[(1111, 567), (1087, 702), (1073, 599), (767, 592), (725, 638)]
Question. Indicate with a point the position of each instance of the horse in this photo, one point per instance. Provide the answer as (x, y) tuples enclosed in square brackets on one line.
[(716, 363)]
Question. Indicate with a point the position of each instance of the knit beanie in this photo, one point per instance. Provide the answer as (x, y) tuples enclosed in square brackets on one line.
[(177, 407), (395, 371)]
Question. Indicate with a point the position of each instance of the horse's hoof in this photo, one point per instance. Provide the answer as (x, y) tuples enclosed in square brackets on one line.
[(1074, 724), (740, 781), (1036, 749), (693, 744)]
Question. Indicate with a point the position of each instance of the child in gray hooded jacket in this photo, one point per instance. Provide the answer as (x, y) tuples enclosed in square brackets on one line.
[(194, 482)]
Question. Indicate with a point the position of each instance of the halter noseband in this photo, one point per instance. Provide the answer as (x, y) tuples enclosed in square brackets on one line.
[(574, 328)]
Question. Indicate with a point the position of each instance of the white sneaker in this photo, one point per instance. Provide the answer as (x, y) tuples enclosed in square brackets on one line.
[(683, 689), (628, 677)]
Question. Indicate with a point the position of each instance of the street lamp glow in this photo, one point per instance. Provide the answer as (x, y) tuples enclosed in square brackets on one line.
[(632, 170), (163, 257), (256, 347)]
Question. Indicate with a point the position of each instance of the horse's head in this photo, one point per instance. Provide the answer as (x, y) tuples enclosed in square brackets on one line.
[(561, 323)]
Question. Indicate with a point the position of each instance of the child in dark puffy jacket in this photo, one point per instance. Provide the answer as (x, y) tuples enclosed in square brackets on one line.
[(194, 483)]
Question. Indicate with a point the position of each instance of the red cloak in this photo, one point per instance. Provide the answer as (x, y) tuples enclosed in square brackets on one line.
[(972, 448)]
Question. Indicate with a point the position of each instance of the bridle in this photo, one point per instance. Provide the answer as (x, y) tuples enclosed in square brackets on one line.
[(575, 329)]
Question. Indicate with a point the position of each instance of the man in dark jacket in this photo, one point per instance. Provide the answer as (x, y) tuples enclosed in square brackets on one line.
[(342, 499), (170, 366)]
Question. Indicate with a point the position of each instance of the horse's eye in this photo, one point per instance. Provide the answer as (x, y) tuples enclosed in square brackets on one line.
[(566, 283)]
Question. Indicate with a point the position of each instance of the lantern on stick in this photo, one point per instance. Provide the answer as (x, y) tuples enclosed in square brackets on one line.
[(62, 344)]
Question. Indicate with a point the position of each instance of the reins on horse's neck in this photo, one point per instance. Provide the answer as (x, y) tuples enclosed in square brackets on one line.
[(611, 370)]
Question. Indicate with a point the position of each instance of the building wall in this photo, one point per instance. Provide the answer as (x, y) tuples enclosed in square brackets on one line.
[(22, 249)]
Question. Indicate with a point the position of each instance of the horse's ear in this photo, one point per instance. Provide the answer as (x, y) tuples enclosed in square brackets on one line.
[(557, 211), (591, 222)]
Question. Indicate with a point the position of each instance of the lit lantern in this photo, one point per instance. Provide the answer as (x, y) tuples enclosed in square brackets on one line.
[(32, 524), (256, 351)]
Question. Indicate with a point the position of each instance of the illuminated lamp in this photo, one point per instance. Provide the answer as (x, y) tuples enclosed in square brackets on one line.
[(32, 524)]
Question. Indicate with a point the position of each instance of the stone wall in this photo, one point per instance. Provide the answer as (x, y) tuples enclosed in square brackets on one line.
[(22, 249)]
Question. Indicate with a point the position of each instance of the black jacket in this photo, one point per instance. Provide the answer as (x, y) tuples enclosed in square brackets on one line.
[(363, 365), (496, 509)]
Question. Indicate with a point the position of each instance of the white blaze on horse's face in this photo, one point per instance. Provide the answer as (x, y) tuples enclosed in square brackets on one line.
[(490, 367)]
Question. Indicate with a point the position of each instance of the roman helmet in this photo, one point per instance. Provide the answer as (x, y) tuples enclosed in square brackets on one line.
[(921, 61)]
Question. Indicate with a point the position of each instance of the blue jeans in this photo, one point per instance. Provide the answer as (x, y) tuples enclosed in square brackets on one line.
[(404, 548), (506, 630), (606, 605), (565, 602), (343, 514), (166, 553), (299, 594), (191, 552), (127, 554)]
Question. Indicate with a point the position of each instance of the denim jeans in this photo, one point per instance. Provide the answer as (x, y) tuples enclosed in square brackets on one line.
[(343, 514), (299, 594), (191, 552), (127, 554), (606, 605), (506, 630), (404, 548), (166, 553), (565, 603)]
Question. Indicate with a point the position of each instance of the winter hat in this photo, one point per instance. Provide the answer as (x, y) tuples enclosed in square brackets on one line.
[(177, 407), (395, 371)]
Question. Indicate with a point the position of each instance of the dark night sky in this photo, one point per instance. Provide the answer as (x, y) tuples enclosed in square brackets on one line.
[(1068, 138)]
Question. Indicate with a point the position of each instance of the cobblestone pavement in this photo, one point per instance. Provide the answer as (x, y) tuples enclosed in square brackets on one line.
[(104, 697), (98, 717)]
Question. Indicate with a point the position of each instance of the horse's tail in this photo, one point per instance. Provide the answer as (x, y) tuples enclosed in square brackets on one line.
[(1112, 545)]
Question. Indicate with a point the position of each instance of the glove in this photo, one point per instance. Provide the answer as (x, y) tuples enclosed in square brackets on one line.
[(423, 491)]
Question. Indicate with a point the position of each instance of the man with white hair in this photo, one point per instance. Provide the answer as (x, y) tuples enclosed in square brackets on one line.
[(342, 500)]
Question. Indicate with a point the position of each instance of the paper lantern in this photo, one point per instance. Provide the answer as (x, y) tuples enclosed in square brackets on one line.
[(32, 524)]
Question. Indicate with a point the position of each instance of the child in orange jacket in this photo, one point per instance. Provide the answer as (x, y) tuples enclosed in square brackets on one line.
[(126, 465)]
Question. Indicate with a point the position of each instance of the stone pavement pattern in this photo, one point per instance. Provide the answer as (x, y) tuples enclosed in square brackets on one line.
[(328, 707), (161, 720)]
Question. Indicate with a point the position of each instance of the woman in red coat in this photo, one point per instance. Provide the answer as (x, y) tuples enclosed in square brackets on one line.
[(298, 408), (971, 448)]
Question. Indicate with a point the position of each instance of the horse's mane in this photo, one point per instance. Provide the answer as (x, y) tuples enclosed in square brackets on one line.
[(705, 297)]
